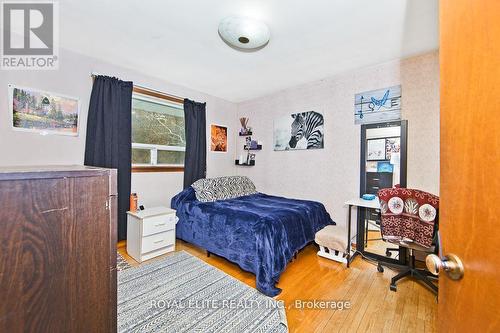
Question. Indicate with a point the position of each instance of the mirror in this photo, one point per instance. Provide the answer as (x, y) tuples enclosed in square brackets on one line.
[(383, 165)]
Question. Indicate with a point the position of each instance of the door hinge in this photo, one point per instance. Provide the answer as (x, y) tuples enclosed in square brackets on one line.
[(107, 204)]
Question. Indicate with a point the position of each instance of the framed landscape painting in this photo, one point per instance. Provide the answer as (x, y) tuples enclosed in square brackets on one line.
[(218, 138), (43, 112)]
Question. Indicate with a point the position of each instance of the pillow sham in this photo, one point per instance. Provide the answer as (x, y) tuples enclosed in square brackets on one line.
[(223, 188)]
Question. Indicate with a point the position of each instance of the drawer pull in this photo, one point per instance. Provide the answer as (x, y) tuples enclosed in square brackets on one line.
[(159, 224), (158, 241)]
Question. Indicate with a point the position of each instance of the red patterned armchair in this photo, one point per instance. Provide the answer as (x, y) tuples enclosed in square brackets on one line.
[(409, 219), (408, 215)]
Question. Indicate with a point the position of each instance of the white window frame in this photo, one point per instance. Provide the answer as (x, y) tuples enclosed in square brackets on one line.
[(154, 153), (153, 149)]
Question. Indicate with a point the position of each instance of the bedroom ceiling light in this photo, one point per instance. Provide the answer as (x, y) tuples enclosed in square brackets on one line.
[(244, 34)]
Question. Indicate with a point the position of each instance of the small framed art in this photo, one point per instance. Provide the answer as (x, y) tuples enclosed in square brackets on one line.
[(218, 138), (375, 149)]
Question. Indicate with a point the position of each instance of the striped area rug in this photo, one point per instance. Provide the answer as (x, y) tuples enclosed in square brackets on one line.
[(121, 263), (181, 293)]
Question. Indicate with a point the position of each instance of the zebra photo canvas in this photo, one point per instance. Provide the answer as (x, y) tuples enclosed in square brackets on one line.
[(303, 130)]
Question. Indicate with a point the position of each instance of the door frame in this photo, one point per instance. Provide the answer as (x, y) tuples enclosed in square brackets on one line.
[(360, 241)]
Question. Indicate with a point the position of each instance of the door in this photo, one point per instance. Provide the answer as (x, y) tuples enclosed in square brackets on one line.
[(470, 149)]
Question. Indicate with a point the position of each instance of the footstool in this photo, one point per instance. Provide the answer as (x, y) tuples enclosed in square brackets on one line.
[(332, 244)]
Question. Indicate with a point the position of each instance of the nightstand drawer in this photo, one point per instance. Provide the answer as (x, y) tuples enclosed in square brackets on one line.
[(157, 241), (156, 224)]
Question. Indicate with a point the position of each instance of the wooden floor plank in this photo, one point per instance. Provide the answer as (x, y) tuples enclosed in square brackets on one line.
[(375, 297), (374, 308), (336, 321)]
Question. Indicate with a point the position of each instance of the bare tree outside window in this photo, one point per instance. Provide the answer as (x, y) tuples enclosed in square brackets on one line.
[(158, 137)]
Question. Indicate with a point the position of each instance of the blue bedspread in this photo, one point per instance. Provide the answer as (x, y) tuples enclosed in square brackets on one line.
[(259, 232)]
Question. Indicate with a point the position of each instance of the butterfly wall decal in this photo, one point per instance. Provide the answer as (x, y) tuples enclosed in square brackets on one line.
[(378, 105), (380, 102)]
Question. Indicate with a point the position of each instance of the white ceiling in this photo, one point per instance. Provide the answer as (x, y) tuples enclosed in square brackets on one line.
[(177, 40)]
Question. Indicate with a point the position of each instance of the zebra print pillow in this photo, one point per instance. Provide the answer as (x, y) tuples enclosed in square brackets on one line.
[(223, 188)]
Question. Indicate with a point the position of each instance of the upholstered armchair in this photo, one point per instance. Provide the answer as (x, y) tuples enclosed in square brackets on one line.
[(409, 219)]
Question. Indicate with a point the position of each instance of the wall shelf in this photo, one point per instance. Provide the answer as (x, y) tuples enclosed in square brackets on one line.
[(252, 163), (259, 147)]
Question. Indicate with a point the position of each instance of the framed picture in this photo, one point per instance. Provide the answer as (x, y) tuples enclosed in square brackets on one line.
[(377, 106), (218, 138), (375, 149), (299, 131), (385, 167), (43, 112), (392, 145), (371, 166)]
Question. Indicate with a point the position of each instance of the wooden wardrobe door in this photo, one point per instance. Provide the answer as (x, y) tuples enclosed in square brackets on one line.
[(36, 240), (93, 307), (55, 265)]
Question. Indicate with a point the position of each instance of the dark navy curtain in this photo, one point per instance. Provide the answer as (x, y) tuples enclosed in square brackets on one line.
[(195, 162), (109, 137)]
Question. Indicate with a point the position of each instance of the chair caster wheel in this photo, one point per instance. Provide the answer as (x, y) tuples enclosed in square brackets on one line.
[(380, 268), (393, 287)]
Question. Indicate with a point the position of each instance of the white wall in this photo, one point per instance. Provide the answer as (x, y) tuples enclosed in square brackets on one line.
[(331, 175), (73, 79)]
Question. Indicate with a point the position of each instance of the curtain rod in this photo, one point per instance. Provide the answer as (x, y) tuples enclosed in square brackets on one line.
[(94, 74)]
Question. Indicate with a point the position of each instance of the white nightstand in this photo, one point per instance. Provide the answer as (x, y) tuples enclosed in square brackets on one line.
[(150, 232)]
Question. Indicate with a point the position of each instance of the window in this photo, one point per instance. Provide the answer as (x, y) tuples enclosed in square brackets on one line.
[(158, 139)]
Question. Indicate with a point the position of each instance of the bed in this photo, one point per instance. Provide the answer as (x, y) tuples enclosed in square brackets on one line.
[(259, 232)]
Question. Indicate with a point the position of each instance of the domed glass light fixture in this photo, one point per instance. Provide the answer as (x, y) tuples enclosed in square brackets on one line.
[(244, 34)]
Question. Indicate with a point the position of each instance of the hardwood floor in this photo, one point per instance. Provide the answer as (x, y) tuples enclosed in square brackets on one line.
[(377, 245), (374, 308)]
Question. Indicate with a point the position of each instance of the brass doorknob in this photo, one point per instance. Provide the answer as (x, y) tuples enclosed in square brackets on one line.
[(450, 264)]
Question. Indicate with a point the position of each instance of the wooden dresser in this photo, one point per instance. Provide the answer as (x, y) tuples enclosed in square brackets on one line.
[(57, 249)]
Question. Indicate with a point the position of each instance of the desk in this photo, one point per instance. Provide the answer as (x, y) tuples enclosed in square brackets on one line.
[(357, 202)]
